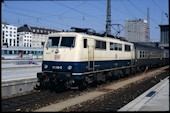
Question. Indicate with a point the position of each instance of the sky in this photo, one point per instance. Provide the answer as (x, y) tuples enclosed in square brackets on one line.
[(64, 14)]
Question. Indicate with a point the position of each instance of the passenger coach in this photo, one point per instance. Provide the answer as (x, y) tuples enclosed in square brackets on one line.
[(13, 52)]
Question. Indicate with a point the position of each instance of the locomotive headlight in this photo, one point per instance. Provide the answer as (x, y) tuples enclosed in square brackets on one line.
[(69, 67), (45, 66)]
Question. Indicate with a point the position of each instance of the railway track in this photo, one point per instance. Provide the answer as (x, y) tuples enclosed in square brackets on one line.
[(35, 100), (115, 100), (39, 99)]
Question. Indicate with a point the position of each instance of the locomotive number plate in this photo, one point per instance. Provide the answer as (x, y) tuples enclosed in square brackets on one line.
[(57, 67)]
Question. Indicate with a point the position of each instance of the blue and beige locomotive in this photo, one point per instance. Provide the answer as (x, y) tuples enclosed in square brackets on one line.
[(72, 59)]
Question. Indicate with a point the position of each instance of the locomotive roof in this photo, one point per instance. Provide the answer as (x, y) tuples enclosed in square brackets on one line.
[(87, 35)]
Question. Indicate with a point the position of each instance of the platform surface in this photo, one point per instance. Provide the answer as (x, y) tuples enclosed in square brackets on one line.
[(154, 99)]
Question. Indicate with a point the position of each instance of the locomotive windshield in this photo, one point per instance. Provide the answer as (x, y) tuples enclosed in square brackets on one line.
[(53, 41), (61, 42)]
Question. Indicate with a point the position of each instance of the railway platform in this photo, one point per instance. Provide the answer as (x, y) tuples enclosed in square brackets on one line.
[(16, 60), (15, 64), (154, 99), (17, 79), (13, 71)]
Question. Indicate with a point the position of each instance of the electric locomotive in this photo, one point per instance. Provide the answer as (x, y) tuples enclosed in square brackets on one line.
[(78, 59)]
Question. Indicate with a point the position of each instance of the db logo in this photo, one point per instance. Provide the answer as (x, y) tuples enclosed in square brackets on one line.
[(57, 57)]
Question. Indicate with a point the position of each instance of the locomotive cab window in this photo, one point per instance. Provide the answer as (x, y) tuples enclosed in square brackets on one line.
[(61, 42), (53, 41), (67, 41)]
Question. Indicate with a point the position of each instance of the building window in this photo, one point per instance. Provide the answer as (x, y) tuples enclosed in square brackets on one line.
[(143, 54), (10, 52), (10, 41), (140, 54), (15, 52), (5, 51)]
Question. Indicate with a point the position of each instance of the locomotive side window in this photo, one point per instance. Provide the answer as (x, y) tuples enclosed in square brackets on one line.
[(111, 46), (127, 48), (85, 43), (140, 54), (100, 45), (120, 47), (115, 46)]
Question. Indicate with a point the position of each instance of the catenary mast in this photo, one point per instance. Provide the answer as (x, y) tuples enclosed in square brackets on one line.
[(108, 18), (148, 26)]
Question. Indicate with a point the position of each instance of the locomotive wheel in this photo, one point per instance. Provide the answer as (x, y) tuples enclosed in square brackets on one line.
[(82, 85), (67, 84), (117, 76), (93, 84)]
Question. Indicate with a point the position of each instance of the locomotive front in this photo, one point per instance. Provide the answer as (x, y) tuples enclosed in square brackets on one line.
[(59, 60)]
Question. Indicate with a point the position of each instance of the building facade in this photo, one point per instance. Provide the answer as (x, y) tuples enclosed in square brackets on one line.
[(33, 36), (40, 36), (136, 30), (25, 36), (164, 36), (8, 35)]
